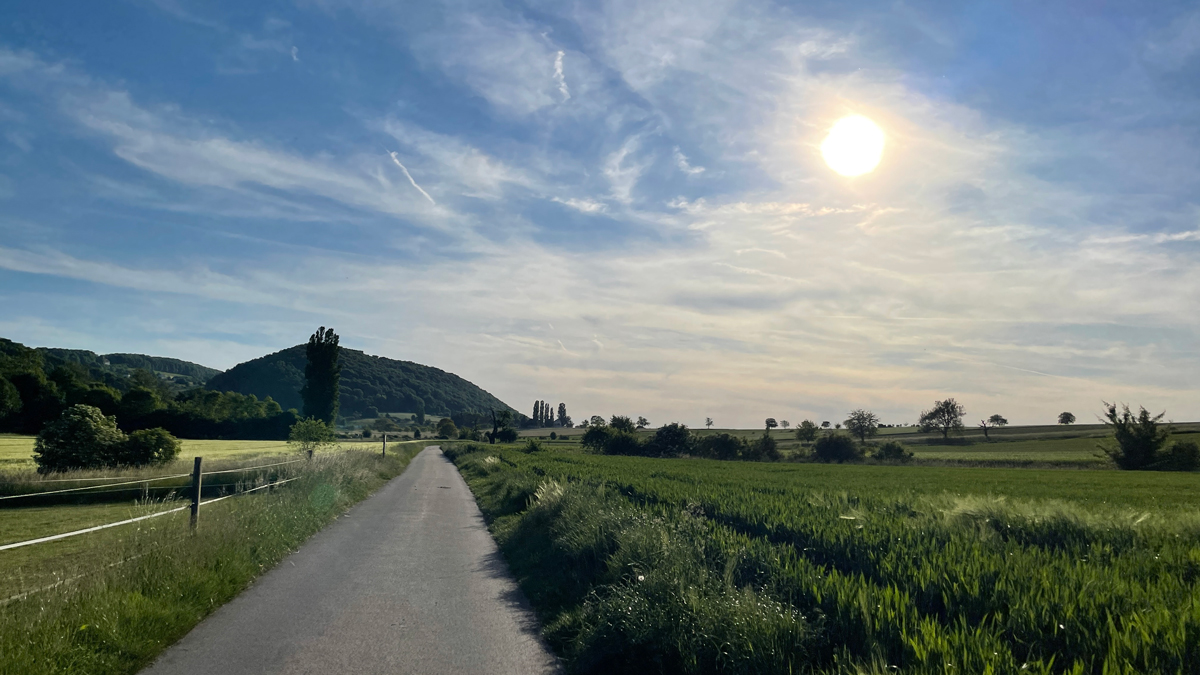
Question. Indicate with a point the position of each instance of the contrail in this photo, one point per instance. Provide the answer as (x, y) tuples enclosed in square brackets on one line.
[(410, 178)]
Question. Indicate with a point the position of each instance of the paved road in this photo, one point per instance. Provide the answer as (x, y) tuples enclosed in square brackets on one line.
[(408, 581)]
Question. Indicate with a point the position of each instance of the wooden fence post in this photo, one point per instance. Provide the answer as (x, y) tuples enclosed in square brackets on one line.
[(385, 444), (196, 492), (310, 455)]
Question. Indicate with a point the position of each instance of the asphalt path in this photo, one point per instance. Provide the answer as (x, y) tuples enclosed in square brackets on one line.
[(408, 581)]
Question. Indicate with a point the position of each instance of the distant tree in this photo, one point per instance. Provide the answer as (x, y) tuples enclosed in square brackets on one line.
[(310, 435), (892, 451), (671, 440), (372, 412), (446, 428), (622, 423), (148, 446), (642, 422), (553, 435), (385, 424), (537, 414), (139, 402), (417, 433), (598, 421), (806, 431), (997, 421), (563, 420), (838, 425), (944, 416), (862, 423), (500, 420), (419, 415), (1138, 439), (549, 415), (10, 399), (708, 422), (81, 438), (366, 433), (770, 423), (825, 424), (1066, 418), (321, 376), (836, 448), (596, 437), (584, 424), (784, 424)]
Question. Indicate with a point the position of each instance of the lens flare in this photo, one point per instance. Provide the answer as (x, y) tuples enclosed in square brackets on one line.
[(854, 146)]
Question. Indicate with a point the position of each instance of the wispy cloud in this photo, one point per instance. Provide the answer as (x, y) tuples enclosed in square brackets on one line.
[(559, 77)]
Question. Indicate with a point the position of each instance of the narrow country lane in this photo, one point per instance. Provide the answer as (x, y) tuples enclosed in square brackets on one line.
[(408, 581)]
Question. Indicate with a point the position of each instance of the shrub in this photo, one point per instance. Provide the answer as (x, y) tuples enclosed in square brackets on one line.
[(1138, 439), (149, 446), (532, 446), (836, 448), (505, 435), (806, 431), (81, 438), (762, 450), (624, 443), (671, 440), (892, 451), (416, 432), (720, 446), (446, 428), (596, 437), (310, 435), (366, 433), (1183, 456), (553, 435)]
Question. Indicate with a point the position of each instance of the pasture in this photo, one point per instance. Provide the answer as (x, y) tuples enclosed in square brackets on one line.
[(702, 566)]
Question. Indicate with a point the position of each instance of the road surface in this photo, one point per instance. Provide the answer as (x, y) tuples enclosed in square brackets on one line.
[(408, 581)]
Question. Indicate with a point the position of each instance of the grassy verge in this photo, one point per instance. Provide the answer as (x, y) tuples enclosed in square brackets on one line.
[(694, 566), (115, 618)]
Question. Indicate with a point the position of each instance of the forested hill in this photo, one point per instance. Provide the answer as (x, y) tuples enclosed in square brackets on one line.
[(121, 362), (367, 382)]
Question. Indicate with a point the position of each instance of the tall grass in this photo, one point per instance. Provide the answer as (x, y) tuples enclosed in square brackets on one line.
[(116, 618), (708, 568)]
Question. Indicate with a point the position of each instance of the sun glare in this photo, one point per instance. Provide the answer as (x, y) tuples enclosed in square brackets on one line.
[(854, 146)]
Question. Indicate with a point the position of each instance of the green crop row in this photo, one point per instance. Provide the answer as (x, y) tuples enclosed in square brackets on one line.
[(705, 566)]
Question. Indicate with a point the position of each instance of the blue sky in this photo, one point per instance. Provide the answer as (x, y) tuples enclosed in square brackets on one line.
[(621, 205)]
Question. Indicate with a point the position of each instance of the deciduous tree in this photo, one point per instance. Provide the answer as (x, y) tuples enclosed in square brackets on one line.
[(944, 416), (1138, 438), (642, 422), (806, 431), (862, 423), (1066, 418), (708, 422)]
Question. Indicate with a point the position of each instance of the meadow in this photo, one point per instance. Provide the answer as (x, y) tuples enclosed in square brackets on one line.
[(109, 601), (698, 566)]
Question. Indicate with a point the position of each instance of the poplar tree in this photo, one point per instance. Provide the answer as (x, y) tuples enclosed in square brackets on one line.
[(321, 375), (562, 413)]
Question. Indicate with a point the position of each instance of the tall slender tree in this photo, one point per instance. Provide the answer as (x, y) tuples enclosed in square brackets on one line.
[(537, 412), (321, 375), (562, 414), (549, 415)]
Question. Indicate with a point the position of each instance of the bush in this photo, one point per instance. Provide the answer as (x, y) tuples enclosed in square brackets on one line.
[(553, 435), (81, 438), (671, 440), (506, 435), (836, 448), (622, 423), (720, 446), (596, 437), (310, 435), (624, 443), (149, 446), (446, 428), (532, 446), (366, 433), (1138, 438), (892, 451), (1183, 456), (762, 450)]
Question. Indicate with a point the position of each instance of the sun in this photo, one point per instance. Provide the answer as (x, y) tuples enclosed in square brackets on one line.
[(854, 146)]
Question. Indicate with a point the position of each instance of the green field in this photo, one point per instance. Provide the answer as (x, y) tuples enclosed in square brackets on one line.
[(16, 452), (675, 565)]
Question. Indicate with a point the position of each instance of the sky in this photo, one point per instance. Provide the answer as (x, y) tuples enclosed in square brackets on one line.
[(621, 205)]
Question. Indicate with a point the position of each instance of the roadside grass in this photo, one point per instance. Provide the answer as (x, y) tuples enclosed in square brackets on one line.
[(115, 618), (699, 566)]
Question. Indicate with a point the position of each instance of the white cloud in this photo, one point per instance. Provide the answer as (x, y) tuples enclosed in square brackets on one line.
[(584, 205), (560, 77), (623, 171), (681, 161), (410, 178), (295, 54)]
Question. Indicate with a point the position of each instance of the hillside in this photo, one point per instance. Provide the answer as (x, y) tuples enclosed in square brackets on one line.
[(181, 374), (367, 382)]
